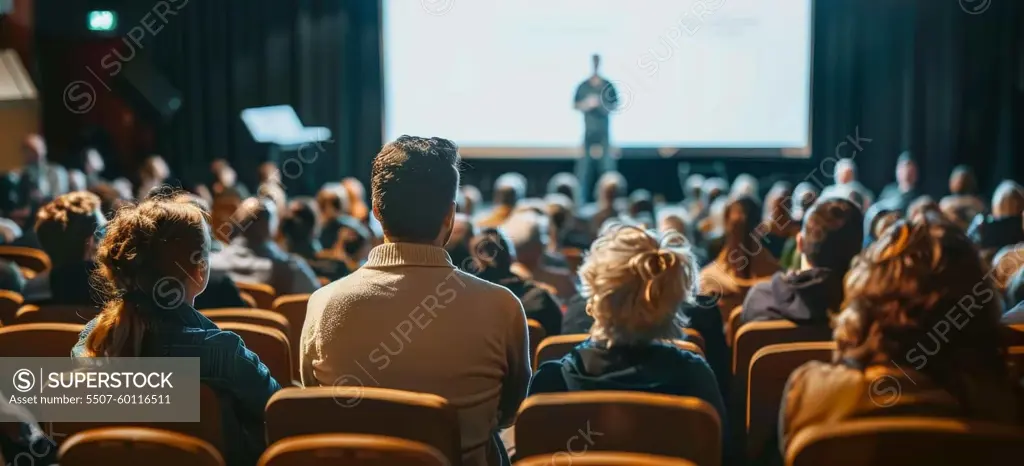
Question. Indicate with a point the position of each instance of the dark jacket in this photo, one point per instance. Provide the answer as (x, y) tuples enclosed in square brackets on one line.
[(704, 317), (651, 368), (221, 292), (803, 297), (67, 285), (538, 303), (994, 234), (243, 383)]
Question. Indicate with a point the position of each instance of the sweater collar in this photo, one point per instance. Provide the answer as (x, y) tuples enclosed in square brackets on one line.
[(401, 254)]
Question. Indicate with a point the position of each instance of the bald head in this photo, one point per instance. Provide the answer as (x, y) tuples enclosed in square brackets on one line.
[(33, 149)]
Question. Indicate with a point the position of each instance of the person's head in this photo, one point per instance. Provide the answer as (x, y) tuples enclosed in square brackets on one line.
[(595, 60), (845, 171), (635, 281), (492, 255), (1008, 200), (906, 171), (154, 258), (509, 189), (332, 201), (527, 231), (1005, 264), (33, 149), (832, 235), (641, 206), (92, 163), (301, 227), (558, 208), (216, 165), (356, 193), (154, 169), (354, 241), (566, 184), (878, 219), (256, 220), (269, 173), (745, 185), (923, 205), (804, 196), (902, 291), (469, 199), (610, 186), (69, 228), (776, 204), (110, 198), (458, 244), (713, 188), (414, 181), (742, 216), (673, 220), (692, 186), (962, 181)]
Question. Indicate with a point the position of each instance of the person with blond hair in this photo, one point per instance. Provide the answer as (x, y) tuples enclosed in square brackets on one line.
[(919, 335), (635, 283)]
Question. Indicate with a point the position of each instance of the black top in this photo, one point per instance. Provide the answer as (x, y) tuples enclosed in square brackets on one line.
[(221, 292), (596, 120), (803, 297), (537, 302), (67, 285)]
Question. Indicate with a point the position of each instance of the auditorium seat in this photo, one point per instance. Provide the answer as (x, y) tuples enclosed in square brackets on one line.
[(907, 441), (32, 314), (39, 340), (536, 334), (270, 344), (351, 450), (262, 293), (554, 348), (636, 422), (733, 325), (293, 308), (693, 336), (10, 302), (769, 371), (419, 417), (27, 258), (249, 300), (133, 446), (209, 429), (600, 458), (249, 316)]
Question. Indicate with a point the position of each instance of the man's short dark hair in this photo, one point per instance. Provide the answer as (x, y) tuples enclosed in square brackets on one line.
[(833, 233), (414, 182)]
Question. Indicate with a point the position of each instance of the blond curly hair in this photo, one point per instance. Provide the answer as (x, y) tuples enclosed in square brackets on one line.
[(635, 281)]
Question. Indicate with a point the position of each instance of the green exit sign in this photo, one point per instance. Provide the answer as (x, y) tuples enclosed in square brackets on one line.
[(102, 20)]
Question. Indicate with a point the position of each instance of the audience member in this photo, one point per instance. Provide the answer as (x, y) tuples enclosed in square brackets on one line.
[(1015, 300), (745, 185), (804, 196), (332, 200), (69, 230), (457, 246), (743, 261), (878, 219), (566, 228), (641, 208), (831, 236), (153, 174), (93, 166), (356, 205), (254, 257), (51, 178), (351, 247), (169, 237), (509, 189), (923, 205), (492, 257), (301, 228), (777, 224), (1006, 224), (1005, 265), (527, 232), (963, 203), (845, 175), (693, 201), (609, 188), (634, 284), (470, 199), (898, 293), (566, 184), (898, 195), (476, 355)]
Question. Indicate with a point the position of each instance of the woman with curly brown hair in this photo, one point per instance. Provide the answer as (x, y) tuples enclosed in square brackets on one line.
[(919, 335)]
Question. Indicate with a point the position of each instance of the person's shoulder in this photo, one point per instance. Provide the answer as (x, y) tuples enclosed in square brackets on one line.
[(818, 382), (1014, 316)]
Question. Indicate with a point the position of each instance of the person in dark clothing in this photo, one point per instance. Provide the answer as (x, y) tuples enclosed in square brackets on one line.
[(492, 258), (458, 244), (68, 229), (300, 228), (1006, 224), (900, 194), (11, 278), (778, 225), (831, 236), (151, 265), (1015, 291), (876, 220), (221, 292), (963, 203), (635, 283), (596, 98)]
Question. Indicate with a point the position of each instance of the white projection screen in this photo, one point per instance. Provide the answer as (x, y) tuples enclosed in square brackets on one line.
[(694, 77)]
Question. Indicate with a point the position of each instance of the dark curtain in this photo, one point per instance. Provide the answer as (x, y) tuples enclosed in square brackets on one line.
[(228, 55)]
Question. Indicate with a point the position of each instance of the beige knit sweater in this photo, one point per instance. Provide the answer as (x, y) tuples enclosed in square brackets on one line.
[(409, 320)]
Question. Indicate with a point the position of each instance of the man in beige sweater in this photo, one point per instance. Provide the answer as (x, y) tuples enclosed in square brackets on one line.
[(409, 320)]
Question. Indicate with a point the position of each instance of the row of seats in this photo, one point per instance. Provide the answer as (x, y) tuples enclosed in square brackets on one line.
[(306, 426)]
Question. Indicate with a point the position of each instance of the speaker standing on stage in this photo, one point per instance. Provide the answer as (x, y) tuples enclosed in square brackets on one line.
[(596, 98)]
